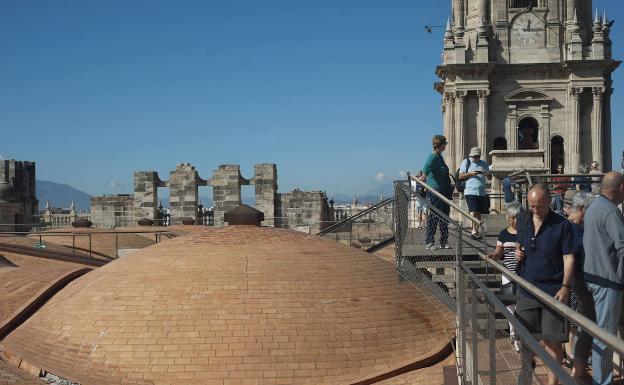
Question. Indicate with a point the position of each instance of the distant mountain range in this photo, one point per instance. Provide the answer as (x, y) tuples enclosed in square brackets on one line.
[(372, 196), (61, 195)]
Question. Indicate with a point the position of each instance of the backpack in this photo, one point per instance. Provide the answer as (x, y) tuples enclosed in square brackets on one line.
[(460, 185)]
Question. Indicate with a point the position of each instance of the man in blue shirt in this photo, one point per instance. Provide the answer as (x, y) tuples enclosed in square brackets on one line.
[(508, 191), (545, 254), (474, 171)]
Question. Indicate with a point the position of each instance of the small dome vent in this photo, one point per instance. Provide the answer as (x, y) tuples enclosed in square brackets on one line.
[(244, 215)]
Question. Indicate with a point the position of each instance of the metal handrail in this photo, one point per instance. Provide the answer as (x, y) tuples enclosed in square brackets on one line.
[(444, 199), (567, 175), (66, 233), (528, 339), (354, 217), (585, 323)]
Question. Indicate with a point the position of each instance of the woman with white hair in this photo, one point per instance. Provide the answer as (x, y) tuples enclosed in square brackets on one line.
[(580, 298), (505, 250), (583, 182), (595, 169)]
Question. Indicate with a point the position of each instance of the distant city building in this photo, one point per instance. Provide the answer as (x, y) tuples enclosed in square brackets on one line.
[(18, 200), (61, 217)]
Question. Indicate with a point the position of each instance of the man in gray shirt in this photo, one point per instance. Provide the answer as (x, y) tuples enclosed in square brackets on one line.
[(603, 242)]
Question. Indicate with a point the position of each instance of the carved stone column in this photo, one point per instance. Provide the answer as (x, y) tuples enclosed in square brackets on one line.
[(544, 134), (570, 8), (483, 14), (573, 152), (511, 131), (553, 10), (458, 14), (605, 162), (449, 126), (499, 8), (460, 99), (597, 130), (482, 123)]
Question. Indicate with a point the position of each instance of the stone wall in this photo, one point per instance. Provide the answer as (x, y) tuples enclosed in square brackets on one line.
[(146, 185), (226, 192), (299, 209), (110, 211), (18, 200), (265, 181), (183, 199), (302, 210)]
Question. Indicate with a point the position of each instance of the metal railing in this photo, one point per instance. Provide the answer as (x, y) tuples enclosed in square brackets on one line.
[(466, 282), (524, 180), (83, 242), (366, 229), (427, 250)]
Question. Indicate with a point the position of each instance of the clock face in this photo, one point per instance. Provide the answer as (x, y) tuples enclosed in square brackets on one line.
[(527, 31)]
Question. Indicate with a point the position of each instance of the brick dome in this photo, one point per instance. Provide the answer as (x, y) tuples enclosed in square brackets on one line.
[(234, 305)]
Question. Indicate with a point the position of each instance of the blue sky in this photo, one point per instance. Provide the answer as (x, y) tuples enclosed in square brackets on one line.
[(338, 93)]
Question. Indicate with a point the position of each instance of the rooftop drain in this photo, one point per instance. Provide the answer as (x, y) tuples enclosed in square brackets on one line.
[(244, 215)]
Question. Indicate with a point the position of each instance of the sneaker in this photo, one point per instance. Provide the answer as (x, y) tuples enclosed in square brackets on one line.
[(475, 236), (431, 246), (516, 344), (445, 246)]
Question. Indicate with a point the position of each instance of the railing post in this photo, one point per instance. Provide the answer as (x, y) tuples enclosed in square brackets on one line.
[(475, 337), (461, 305), (492, 340)]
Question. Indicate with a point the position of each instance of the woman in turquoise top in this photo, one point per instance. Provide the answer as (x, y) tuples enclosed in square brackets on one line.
[(438, 178)]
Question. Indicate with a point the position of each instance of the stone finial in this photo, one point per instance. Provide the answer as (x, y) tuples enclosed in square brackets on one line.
[(575, 24), (72, 205), (48, 205), (448, 33)]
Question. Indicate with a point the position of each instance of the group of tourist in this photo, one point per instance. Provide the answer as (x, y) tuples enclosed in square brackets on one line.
[(471, 176), (572, 249)]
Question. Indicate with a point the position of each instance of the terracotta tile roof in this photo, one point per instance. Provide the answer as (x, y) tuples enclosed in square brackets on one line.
[(22, 277), (235, 305), (10, 375)]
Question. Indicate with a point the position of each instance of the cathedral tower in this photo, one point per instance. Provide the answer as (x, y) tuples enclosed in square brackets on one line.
[(528, 81)]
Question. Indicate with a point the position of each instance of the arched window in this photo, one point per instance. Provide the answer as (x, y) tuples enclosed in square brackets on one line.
[(500, 143), (528, 130), (522, 3)]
